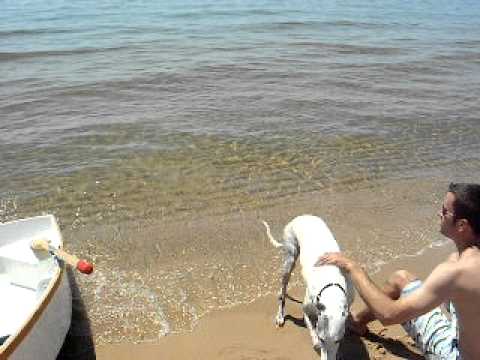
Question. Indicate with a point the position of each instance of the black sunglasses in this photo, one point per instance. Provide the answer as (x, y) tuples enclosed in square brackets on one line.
[(445, 211)]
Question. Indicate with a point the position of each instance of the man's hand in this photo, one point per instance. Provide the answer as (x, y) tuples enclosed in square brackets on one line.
[(338, 259)]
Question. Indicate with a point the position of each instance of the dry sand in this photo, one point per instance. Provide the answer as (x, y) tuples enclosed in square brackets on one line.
[(247, 332)]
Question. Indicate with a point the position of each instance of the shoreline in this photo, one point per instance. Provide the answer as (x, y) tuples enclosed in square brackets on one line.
[(247, 331)]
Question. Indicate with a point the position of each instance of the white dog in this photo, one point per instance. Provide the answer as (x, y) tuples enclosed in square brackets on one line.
[(328, 294)]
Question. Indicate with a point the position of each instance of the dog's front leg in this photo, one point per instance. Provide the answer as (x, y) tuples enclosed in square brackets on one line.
[(315, 339)]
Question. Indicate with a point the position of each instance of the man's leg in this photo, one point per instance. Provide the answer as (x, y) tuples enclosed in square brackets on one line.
[(433, 333), (392, 288)]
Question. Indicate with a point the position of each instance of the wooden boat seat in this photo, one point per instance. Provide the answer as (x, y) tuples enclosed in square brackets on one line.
[(25, 266), (21, 252)]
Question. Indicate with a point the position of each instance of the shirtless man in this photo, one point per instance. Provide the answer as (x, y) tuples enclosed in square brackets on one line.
[(406, 300)]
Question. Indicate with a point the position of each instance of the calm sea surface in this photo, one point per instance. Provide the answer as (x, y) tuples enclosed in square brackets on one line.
[(159, 132)]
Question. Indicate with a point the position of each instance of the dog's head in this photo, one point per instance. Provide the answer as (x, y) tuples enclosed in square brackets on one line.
[(328, 320)]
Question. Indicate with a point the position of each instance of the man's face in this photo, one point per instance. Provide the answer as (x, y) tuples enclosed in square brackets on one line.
[(447, 216)]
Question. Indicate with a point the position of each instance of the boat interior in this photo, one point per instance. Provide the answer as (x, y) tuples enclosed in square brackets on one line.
[(25, 274)]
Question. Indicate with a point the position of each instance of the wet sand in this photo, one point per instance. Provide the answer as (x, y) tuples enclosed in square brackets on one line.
[(247, 331)]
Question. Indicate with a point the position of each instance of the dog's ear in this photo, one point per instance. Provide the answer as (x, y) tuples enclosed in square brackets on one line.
[(311, 310), (320, 307)]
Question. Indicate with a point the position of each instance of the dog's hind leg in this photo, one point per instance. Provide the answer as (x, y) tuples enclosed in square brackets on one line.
[(291, 255)]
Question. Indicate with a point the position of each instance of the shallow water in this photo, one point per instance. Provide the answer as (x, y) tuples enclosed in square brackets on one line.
[(159, 134)]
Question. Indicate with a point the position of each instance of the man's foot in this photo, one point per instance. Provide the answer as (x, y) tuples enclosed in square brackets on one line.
[(356, 326)]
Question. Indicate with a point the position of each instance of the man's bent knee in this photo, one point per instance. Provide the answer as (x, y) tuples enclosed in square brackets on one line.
[(401, 278)]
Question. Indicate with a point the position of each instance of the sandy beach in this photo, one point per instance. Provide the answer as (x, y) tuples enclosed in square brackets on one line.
[(247, 331)]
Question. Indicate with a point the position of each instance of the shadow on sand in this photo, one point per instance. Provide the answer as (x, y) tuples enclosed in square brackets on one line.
[(78, 344), (393, 346), (351, 347)]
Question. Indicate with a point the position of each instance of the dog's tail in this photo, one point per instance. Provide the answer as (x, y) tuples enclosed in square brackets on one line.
[(270, 237)]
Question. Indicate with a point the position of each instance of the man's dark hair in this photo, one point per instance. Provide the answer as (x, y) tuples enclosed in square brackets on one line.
[(467, 203)]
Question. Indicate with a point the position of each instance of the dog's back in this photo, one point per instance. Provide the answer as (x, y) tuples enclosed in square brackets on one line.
[(313, 236)]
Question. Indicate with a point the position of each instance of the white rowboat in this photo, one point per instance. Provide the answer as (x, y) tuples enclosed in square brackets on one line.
[(35, 297)]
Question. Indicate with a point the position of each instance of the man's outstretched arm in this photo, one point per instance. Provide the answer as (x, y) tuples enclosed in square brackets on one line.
[(435, 290)]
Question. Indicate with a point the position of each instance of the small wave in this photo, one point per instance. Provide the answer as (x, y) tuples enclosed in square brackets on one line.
[(474, 44), (377, 266), (35, 32), (26, 55), (265, 27), (367, 50), (347, 49), (356, 24), (458, 57)]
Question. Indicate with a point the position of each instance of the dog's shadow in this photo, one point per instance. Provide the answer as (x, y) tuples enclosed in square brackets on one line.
[(352, 346), (297, 321)]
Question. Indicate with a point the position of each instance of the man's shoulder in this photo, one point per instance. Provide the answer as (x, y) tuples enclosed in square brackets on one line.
[(447, 270), (470, 260)]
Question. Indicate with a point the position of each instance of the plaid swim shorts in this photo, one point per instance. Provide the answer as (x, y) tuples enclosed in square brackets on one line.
[(434, 333)]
